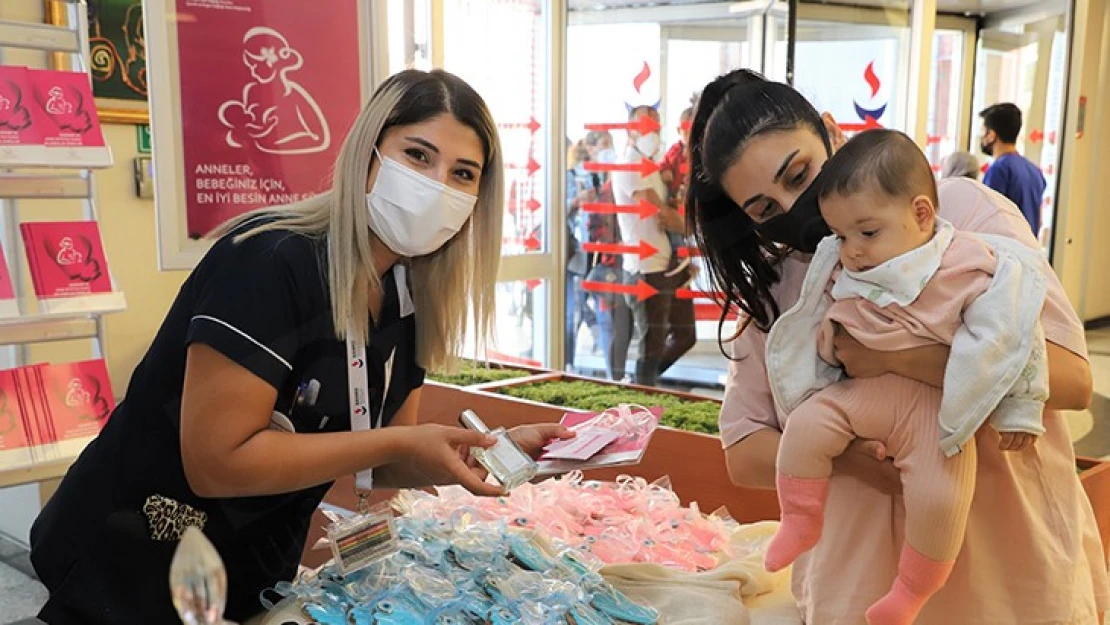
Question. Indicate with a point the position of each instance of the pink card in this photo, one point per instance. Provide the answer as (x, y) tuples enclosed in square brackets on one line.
[(13, 430), (627, 449), (66, 258), (78, 397), (64, 103), (7, 290), (584, 446), (17, 122)]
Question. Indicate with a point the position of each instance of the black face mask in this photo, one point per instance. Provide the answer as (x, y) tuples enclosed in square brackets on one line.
[(987, 148), (802, 227)]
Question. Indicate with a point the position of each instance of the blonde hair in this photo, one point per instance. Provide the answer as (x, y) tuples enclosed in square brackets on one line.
[(456, 283)]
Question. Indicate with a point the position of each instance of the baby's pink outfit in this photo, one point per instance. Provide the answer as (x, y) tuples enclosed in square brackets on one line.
[(900, 412)]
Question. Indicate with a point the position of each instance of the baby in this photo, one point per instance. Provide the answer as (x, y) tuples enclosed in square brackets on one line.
[(894, 277)]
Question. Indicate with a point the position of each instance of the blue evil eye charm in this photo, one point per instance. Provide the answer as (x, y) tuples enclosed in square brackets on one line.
[(503, 616), (330, 615), (397, 611)]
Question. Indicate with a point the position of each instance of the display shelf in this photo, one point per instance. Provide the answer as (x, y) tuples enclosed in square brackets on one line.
[(39, 472), (47, 328), (39, 37), (45, 186), (75, 157), (97, 304)]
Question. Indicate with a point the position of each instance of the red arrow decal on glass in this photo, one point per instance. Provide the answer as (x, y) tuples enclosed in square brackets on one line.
[(688, 252), (643, 249), (1036, 135), (645, 167), (642, 290), (531, 166), (644, 209), (869, 124), (533, 204), (643, 125), (532, 125)]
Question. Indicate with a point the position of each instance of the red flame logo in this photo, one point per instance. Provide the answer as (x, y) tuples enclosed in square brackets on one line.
[(872, 79), (642, 77)]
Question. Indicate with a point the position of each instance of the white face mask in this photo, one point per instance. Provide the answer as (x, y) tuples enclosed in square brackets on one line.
[(648, 144), (413, 214), (608, 155)]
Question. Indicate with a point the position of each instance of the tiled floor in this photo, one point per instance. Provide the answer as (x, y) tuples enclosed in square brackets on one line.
[(21, 595), (1090, 429)]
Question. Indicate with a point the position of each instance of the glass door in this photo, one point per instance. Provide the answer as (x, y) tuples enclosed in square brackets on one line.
[(1024, 62), (621, 56)]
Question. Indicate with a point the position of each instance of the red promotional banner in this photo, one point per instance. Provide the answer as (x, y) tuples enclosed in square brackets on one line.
[(268, 92)]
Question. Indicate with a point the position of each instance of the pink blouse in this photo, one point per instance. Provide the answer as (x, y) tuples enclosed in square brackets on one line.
[(1032, 554)]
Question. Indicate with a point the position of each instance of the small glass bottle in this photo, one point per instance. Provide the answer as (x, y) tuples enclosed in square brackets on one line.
[(505, 461)]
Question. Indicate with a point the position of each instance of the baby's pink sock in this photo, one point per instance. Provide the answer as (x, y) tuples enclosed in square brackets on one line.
[(803, 512), (919, 578)]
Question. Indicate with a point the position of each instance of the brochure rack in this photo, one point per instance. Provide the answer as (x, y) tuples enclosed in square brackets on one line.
[(61, 174)]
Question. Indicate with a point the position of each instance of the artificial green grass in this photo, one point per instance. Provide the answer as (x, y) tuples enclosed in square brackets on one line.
[(693, 416), (471, 373)]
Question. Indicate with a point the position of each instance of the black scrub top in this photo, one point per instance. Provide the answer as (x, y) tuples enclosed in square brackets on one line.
[(104, 542)]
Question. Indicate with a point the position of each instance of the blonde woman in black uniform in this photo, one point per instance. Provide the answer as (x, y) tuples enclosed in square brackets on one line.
[(215, 430)]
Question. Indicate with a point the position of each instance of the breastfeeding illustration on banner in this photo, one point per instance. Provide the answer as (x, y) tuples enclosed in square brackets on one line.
[(262, 132)]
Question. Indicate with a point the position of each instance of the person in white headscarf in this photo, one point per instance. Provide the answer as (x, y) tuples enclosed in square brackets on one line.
[(959, 164)]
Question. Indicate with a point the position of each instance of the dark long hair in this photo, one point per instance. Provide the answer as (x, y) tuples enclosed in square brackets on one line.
[(742, 264)]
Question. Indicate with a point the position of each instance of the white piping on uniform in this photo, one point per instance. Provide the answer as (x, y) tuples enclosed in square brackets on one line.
[(246, 336)]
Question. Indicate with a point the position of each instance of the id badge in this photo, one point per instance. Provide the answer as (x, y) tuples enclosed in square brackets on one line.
[(363, 539)]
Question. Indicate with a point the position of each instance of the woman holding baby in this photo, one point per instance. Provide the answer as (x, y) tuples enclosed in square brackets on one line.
[(1031, 552)]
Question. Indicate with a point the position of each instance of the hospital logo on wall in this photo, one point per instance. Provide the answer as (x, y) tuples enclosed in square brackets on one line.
[(873, 107), (645, 90)]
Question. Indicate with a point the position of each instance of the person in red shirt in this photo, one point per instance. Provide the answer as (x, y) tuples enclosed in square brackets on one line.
[(674, 166)]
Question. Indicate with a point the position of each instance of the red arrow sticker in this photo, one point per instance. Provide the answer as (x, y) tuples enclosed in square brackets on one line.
[(644, 125), (688, 252), (644, 209), (531, 125), (868, 124), (533, 204), (1036, 135), (645, 167), (643, 249), (642, 290), (531, 166)]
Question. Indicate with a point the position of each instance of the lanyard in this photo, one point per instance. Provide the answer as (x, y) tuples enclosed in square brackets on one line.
[(358, 386), (358, 393)]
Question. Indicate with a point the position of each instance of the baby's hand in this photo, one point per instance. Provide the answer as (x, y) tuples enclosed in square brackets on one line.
[(1016, 441)]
